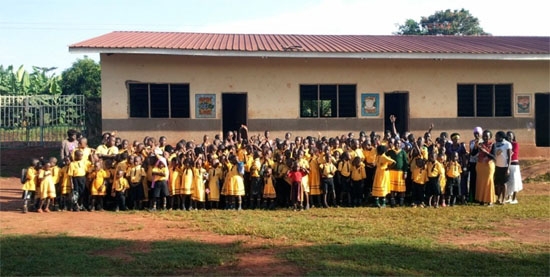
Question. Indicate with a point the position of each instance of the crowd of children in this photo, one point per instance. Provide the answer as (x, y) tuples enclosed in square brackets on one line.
[(258, 172)]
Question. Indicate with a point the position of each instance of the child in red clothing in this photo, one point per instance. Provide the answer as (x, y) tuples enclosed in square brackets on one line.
[(296, 175)]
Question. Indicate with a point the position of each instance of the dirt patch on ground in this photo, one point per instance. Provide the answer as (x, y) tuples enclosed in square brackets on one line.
[(253, 260)]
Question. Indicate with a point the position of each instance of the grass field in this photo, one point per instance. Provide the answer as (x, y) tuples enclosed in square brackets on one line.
[(468, 240), (463, 240)]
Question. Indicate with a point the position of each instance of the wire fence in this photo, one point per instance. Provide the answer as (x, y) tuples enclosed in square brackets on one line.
[(40, 120)]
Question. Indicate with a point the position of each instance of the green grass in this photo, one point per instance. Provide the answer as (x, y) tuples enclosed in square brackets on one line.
[(327, 242), (28, 255), (538, 179)]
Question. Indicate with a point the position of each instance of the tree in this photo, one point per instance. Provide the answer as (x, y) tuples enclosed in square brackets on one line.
[(457, 22), (20, 82), (83, 77)]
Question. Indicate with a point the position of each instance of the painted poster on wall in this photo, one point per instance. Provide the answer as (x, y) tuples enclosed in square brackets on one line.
[(523, 104), (205, 106), (370, 104)]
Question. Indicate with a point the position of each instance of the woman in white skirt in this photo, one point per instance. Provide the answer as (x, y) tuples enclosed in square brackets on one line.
[(514, 184)]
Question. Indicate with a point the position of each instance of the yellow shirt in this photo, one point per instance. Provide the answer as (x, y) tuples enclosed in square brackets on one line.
[(453, 169), (358, 173), (419, 175), (136, 174), (32, 179), (163, 170), (56, 177), (78, 168), (120, 184), (327, 170), (435, 169), (345, 168), (370, 156)]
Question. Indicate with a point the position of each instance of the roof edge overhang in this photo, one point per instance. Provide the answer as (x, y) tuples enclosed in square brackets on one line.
[(313, 55)]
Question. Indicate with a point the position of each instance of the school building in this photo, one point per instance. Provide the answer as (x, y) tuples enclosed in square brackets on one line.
[(185, 85)]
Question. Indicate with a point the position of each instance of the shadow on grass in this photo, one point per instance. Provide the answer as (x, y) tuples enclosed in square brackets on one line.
[(28, 255), (377, 258)]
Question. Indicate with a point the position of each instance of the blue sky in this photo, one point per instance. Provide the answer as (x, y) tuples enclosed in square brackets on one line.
[(38, 32)]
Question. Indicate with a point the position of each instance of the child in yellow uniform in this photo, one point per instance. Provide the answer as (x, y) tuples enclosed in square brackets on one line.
[(344, 177), (433, 188), (314, 178), (56, 180), (441, 158), (137, 176), (77, 170), (369, 152), (453, 170), (174, 181), (269, 193), (303, 164), (65, 185), (381, 185), (47, 188), (186, 184), (233, 186), (358, 176), (198, 194), (214, 178), (327, 170), (98, 186), (120, 185), (160, 183), (29, 186)]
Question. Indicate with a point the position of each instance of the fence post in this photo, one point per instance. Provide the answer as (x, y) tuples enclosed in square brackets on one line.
[(41, 126)]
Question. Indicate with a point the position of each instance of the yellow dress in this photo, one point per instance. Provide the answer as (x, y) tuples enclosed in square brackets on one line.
[(32, 179), (269, 188), (98, 187), (314, 177), (381, 186), (187, 181), (214, 177), (305, 180), (65, 180), (198, 193), (47, 185), (174, 181), (234, 183)]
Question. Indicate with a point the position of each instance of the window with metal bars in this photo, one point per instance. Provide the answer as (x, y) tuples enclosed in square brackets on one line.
[(328, 101), (158, 100), (484, 100)]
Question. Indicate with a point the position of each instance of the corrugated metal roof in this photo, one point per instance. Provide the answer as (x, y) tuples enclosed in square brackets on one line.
[(317, 43)]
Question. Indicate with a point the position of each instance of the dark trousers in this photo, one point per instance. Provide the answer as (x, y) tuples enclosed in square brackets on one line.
[(473, 177), (79, 189), (417, 193), (120, 200)]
